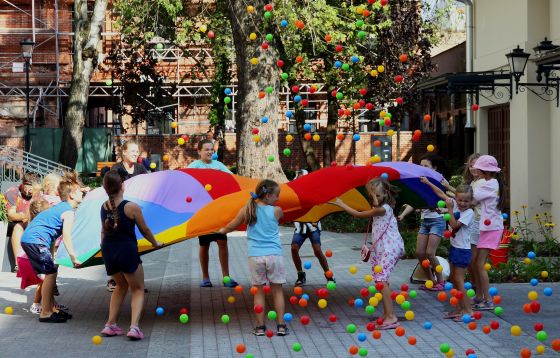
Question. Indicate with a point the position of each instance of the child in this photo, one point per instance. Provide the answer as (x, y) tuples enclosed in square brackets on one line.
[(266, 262), (387, 243), (431, 231), (489, 195), (120, 253), (38, 237), (460, 251)]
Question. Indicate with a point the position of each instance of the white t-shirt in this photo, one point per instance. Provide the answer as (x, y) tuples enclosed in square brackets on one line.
[(462, 236), (487, 195), (430, 214)]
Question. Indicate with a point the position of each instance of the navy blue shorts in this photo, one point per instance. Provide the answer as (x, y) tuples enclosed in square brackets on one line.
[(206, 240), (314, 237), (459, 257), (120, 256), (41, 258)]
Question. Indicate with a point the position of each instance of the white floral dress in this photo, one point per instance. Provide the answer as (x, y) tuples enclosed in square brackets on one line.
[(388, 244)]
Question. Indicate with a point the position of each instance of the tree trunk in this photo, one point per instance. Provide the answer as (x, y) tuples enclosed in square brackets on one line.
[(86, 37), (252, 158), (306, 146), (329, 142)]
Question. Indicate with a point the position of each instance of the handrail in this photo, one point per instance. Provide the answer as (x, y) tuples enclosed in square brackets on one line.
[(30, 162)]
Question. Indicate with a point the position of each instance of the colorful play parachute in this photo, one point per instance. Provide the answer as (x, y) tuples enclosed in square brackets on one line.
[(181, 204)]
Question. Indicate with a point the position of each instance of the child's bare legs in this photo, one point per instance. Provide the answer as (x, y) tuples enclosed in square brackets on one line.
[(259, 300), (279, 306), (433, 243), (37, 298), (320, 256), (136, 283), (224, 256), (421, 244), (473, 271), (17, 233), (389, 316), (483, 281), (459, 280), (47, 298), (117, 297)]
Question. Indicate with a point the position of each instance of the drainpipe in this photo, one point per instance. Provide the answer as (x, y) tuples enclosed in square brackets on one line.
[(469, 49)]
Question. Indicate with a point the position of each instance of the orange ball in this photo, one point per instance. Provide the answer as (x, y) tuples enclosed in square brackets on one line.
[(303, 302), (453, 301), (412, 340), (340, 136), (328, 253), (527, 308), (472, 326), (497, 300), (377, 335), (262, 94), (299, 59), (403, 58), (442, 296), (353, 350), (525, 353), (307, 136), (377, 143), (453, 292), (426, 263), (329, 274), (400, 331), (556, 344), (427, 118), (240, 348), (298, 290), (238, 289), (486, 329), (254, 290)]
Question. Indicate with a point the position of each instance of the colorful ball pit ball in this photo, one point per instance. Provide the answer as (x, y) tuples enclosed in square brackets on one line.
[(362, 337), (358, 302), (351, 328), (534, 282), (427, 325), (356, 137), (493, 291), (284, 23), (296, 347), (184, 318), (547, 291), (531, 255), (160, 311)]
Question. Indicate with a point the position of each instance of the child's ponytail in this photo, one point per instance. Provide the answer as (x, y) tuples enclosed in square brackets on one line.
[(264, 187), (502, 191)]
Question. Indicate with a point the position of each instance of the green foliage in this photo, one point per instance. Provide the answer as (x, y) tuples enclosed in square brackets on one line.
[(3, 209), (342, 222), (515, 270), (533, 234)]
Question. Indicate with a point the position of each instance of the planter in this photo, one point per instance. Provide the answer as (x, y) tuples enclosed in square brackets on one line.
[(501, 254)]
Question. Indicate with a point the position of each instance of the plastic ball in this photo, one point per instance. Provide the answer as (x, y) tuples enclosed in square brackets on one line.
[(302, 302), (412, 294), (377, 269), (352, 269), (427, 325), (322, 303), (284, 76), (547, 291), (284, 23), (353, 350), (400, 331), (258, 309), (556, 344), (296, 347), (373, 301), (340, 95), (331, 285), (351, 328), (426, 263), (487, 266), (380, 68), (337, 64), (362, 337), (444, 348), (375, 159), (515, 330), (466, 318), (208, 187), (493, 291), (409, 315), (231, 299), (345, 67), (429, 284), (355, 59), (527, 261), (531, 255), (471, 293), (270, 158), (487, 222), (267, 15), (184, 318), (180, 141), (358, 302), (439, 268), (297, 98), (542, 336), (540, 349), (534, 282), (370, 309), (533, 295), (97, 340), (505, 216), (446, 216), (405, 305), (272, 315), (289, 114), (544, 274), (227, 100), (160, 311), (362, 352), (316, 137), (430, 148), (225, 319)]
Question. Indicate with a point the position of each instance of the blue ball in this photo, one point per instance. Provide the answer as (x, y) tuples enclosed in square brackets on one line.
[(227, 91), (468, 285), (337, 64), (385, 176), (215, 156), (289, 114), (472, 355), (288, 317), (307, 127), (160, 311), (284, 23), (493, 291), (355, 59), (427, 325), (362, 337), (297, 98), (534, 282), (305, 296), (505, 216), (547, 291), (358, 302), (531, 255), (356, 137), (448, 286), (307, 265), (457, 215), (264, 119), (466, 318)]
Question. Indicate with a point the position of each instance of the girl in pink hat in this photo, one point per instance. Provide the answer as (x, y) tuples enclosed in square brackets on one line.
[(489, 196)]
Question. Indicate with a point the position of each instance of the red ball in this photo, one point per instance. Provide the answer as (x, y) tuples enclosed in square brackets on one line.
[(535, 306), (459, 295), (304, 320), (183, 311), (353, 350), (188, 199), (362, 103), (394, 295), (293, 300), (363, 91), (364, 292), (211, 34), (404, 287), (427, 118), (351, 302), (384, 2), (356, 105), (268, 7), (447, 234), (539, 327), (185, 137), (494, 325), (332, 318), (264, 45), (379, 321), (477, 315), (487, 222), (377, 143), (240, 348), (399, 100), (370, 326), (339, 48), (469, 351), (387, 122), (370, 106), (333, 93), (304, 102), (258, 309), (295, 89), (399, 78), (255, 131), (340, 112), (323, 293), (266, 289), (269, 333), (280, 63), (475, 107), (379, 286), (333, 164)]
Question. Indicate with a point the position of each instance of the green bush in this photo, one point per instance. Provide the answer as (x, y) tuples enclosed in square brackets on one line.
[(342, 222), (515, 270)]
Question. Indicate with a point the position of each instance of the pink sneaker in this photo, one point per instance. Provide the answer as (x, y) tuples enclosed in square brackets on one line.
[(112, 330), (135, 334)]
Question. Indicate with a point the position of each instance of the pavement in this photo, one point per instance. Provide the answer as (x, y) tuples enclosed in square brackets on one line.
[(173, 276)]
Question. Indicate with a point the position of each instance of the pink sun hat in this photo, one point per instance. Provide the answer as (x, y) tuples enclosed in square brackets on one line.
[(487, 163)]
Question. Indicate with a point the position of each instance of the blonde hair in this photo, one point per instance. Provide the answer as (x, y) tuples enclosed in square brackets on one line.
[(50, 183), (36, 206), (465, 189), (264, 187), (467, 175), (390, 191)]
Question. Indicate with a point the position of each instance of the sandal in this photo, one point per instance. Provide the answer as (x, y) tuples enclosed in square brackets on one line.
[(388, 326), (53, 318), (206, 283), (281, 330), (460, 318), (440, 286), (259, 331), (451, 315), (483, 306)]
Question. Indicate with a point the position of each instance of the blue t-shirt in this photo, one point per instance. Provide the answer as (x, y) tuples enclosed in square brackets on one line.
[(47, 226), (214, 164), (263, 236)]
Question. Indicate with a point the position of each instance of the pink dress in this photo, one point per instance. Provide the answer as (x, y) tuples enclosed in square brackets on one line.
[(388, 244)]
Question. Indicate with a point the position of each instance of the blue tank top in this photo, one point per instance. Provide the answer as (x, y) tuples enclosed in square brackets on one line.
[(47, 226), (125, 228), (263, 236)]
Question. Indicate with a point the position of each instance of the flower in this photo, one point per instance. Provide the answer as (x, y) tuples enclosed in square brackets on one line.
[(3, 209), (516, 212)]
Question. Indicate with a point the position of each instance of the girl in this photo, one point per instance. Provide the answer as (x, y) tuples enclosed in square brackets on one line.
[(489, 195), (387, 243), (49, 188), (38, 237), (431, 230), (266, 261), (460, 251), (120, 253)]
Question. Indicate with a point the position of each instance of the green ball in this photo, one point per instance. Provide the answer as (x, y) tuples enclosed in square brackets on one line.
[(284, 76), (270, 158), (405, 305), (441, 204), (331, 286), (109, 82), (269, 89), (542, 336), (446, 216), (363, 352), (361, 35), (471, 293), (296, 347), (183, 318), (372, 290), (339, 96), (345, 67), (272, 315), (370, 309), (225, 319), (412, 294), (227, 279), (227, 100), (389, 115), (359, 23), (498, 311), (287, 152), (267, 15), (381, 122), (159, 46), (249, 355), (269, 37), (444, 348), (351, 328)]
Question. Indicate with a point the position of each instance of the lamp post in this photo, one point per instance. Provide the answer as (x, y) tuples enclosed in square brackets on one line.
[(517, 59), (27, 53)]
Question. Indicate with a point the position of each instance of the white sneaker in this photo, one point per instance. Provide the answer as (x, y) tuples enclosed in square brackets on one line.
[(35, 308)]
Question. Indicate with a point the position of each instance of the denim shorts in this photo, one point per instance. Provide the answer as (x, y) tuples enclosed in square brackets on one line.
[(314, 237), (459, 257), (435, 226)]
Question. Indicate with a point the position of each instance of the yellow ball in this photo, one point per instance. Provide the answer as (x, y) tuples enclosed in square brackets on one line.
[(203, 28), (378, 296), (165, 157), (409, 315), (368, 278), (208, 187), (439, 268), (322, 303), (252, 36), (533, 295), (544, 274), (430, 148), (399, 299), (153, 165), (373, 73), (382, 114), (250, 9), (377, 269), (8, 310), (353, 269), (390, 132), (316, 137), (515, 330), (256, 138), (373, 301), (231, 299), (541, 349), (289, 138), (180, 141), (450, 353), (375, 159), (487, 266), (174, 124), (254, 60), (429, 284), (380, 68), (97, 340), (359, 10), (527, 261)]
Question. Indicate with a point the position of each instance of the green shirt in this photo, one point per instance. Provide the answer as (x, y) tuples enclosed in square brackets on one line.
[(199, 164)]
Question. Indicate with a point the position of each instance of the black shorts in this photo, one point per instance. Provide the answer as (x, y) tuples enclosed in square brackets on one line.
[(120, 256), (41, 258), (205, 240)]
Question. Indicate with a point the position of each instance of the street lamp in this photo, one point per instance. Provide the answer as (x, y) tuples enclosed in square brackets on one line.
[(27, 53), (517, 59)]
